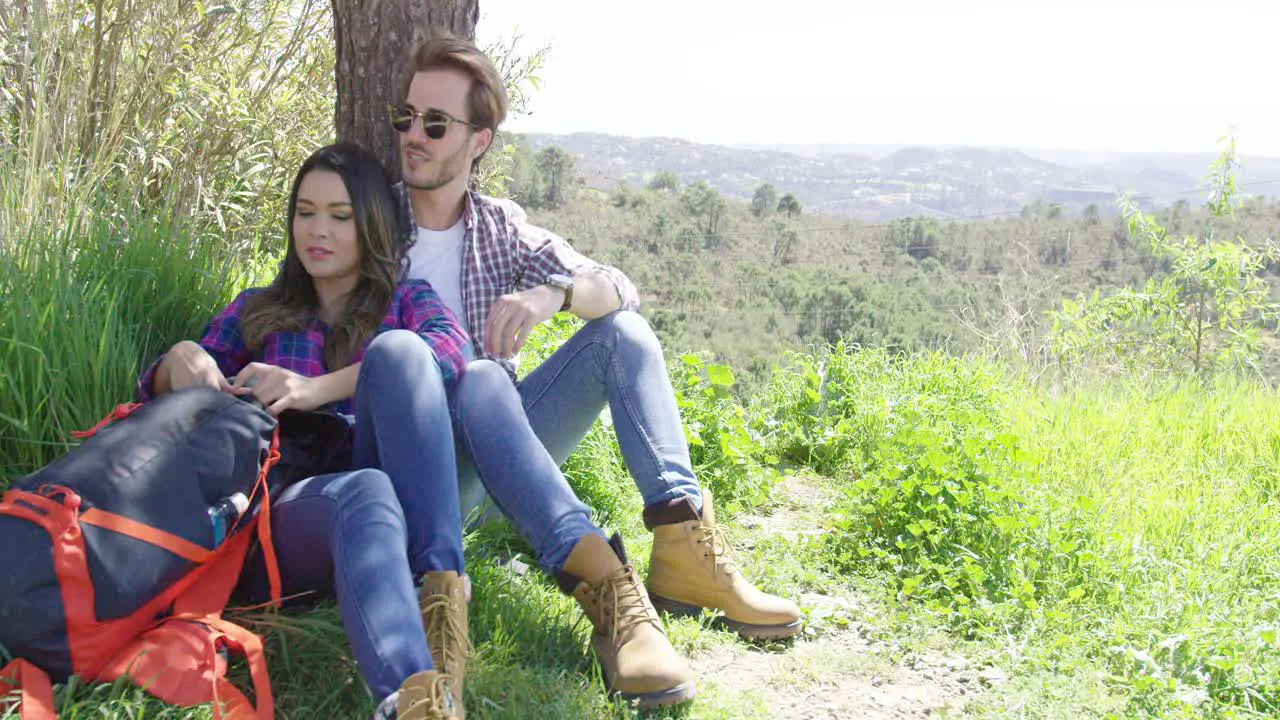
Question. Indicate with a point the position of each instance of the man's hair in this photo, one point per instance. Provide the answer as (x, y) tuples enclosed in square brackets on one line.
[(488, 99)]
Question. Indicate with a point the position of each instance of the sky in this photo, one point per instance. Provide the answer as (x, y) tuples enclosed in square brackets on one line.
[(1123, 75)]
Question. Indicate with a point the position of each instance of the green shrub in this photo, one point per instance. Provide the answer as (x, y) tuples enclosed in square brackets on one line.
[(940, 492), (729, 455)]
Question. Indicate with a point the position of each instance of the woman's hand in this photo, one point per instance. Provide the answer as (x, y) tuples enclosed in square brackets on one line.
[(188, 365), (279, 389)]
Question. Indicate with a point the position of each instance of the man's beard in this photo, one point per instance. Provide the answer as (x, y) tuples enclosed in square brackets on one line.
[(449, 169)]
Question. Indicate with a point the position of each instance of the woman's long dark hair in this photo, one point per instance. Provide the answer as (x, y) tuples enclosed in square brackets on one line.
[(290, 304)]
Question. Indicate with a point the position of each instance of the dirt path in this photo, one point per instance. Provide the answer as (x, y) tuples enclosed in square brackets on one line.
[(844, 673)]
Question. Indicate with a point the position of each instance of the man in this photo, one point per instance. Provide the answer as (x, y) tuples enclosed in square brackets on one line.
[(502, 277)]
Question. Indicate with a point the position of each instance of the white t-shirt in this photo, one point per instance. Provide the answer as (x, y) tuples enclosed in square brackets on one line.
[(437, 258)]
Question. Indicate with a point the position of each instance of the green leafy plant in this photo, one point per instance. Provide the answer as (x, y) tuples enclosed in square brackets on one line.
[(800, 410), (941, 492), (939, 495), (1208, 312), (728, 454)]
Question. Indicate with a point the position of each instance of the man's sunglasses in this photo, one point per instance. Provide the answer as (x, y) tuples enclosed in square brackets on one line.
[(434, 122)]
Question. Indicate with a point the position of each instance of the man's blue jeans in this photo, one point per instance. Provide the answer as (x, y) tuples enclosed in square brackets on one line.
[(363, 535), (515, 437)]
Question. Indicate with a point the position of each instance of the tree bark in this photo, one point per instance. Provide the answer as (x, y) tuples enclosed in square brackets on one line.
[(373, 43)]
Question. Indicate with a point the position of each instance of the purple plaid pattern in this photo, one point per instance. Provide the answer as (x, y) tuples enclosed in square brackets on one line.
[(504, 253), (415, 306)]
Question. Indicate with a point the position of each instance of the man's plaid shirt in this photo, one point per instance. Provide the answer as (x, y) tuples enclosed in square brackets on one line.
[(503, 253)]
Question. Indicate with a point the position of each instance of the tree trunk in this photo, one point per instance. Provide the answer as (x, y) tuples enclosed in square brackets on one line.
[(373, 42)]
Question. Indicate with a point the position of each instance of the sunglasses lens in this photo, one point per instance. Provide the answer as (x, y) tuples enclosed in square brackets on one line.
[(435, 125), (401, 119)]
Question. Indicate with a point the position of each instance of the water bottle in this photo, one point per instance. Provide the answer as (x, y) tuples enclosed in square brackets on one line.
[(224, 513)]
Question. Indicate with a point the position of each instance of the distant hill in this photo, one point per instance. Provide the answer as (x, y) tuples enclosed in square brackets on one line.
[(876, 183)]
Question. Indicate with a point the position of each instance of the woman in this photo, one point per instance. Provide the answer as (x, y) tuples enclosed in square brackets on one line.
[(337, 330)]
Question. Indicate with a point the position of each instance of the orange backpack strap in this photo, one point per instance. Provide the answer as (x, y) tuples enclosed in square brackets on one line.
[(264, 519), (245, 643), (178, 661), (33, 690), (119, 412), (181, 547)]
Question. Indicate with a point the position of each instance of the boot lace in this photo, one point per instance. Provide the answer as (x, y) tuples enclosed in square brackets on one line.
[(630, 605), (444, 631), (435, 704), (721, 549)]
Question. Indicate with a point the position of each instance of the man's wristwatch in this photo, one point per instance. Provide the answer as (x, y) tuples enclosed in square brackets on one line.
[(565, 283)]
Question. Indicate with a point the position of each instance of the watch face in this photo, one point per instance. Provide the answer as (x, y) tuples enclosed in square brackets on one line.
[(560, 281)]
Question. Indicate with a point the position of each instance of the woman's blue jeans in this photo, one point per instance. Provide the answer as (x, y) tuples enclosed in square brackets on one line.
[(365, 534)]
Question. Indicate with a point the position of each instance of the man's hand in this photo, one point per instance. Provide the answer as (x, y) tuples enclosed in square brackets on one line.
[(189, 365), (279, 389), (515, 315)]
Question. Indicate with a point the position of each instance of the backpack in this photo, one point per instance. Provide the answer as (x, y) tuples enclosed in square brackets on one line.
[(113, 562)]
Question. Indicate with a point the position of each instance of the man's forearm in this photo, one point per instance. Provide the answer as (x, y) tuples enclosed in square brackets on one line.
[(594, 296)]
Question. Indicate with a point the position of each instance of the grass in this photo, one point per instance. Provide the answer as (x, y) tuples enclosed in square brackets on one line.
[(80, 315), (1112, 540), (1182, 479)]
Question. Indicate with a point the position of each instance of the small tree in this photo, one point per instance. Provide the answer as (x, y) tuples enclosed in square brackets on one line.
[(688, 238), (509, 168), (1207, 313), (789, 205), (764, 201), (784, 241), (664, 180), (556, 169), (702, 201)]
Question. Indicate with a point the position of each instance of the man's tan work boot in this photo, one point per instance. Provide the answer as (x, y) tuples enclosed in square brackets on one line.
[(691, 568), (426, 696), (443, 599), (629, 641)]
